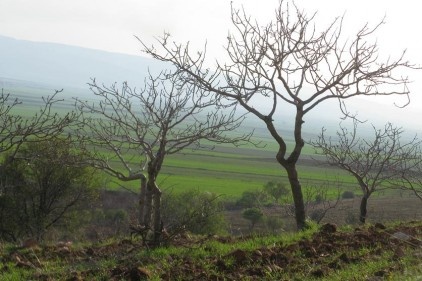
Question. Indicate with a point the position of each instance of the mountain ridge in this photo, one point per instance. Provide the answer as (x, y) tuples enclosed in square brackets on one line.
[(58, 66), (69, 66)]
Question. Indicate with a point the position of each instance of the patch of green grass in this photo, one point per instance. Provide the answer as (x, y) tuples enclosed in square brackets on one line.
[(10, 272), (363, 270)]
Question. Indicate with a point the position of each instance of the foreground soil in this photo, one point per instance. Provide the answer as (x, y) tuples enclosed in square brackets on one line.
[(371, 252)]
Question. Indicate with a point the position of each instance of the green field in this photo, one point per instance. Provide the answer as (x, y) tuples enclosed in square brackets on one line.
[(224, 170), (230, 171)]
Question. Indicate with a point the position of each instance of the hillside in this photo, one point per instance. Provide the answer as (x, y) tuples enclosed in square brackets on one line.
[(68, 66), (57, 66), (371, 252)]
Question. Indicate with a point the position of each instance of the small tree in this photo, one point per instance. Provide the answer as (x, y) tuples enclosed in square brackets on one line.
[(376, 164), (276, 189), (44, 181), (194, 211), (253, 215), (141, 127), (252, 198), (16, 130), (288, 63), (411, 180)]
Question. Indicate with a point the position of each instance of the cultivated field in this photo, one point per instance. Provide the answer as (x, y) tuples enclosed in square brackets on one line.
[(222, 169), (228, 170)]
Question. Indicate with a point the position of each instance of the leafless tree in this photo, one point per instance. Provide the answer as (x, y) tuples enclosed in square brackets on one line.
[(17, 129), (288, 63), (376, 164), (46, 123), (410, 178), (139, 128), (7, 121)]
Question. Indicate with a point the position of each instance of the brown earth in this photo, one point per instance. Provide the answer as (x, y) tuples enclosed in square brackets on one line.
[(325, 252)]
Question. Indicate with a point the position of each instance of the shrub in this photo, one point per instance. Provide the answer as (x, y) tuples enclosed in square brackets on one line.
[(254, 215), (41, 185), (348, 195), (274, 223), (317, 215), (252, 199), (194, 211), (276, 190), (351, 218), (319, 198)]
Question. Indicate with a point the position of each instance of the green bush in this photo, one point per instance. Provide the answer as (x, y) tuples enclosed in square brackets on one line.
[(253, 215), (348, 195), (194, 211), (252, 199), (40, 185), (276, 190)]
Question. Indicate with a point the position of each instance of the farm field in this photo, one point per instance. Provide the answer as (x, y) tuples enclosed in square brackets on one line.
[(241, 169), (225, 170)]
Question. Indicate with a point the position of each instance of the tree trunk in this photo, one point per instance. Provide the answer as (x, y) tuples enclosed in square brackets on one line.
[(363, 208), (148, 203), (296, 188), (142, 201), (157, 215)]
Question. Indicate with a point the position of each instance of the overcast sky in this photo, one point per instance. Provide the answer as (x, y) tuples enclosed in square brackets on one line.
[(111, 25)]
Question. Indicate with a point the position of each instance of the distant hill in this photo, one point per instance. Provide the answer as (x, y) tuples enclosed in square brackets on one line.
[(69, 66)]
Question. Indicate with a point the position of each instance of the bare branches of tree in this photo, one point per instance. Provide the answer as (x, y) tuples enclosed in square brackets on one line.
[(8, 122), (289, 63), (140, 127), (379, 163), (46, 123)]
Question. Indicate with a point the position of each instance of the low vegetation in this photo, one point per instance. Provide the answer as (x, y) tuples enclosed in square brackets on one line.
[(371, 252)]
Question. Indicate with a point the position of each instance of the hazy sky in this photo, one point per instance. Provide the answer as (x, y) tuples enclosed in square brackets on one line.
[(111, 25)]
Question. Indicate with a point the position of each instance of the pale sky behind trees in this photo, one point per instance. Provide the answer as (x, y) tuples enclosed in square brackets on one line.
[(110, 25)]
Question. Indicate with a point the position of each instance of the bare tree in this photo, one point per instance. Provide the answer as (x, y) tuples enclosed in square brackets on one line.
[(376, 164), (410, 178), (46, 123), (7, 121), (141, 127), (287, 63)]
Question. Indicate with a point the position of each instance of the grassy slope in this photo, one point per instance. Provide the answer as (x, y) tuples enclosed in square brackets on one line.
[(316, 254)]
